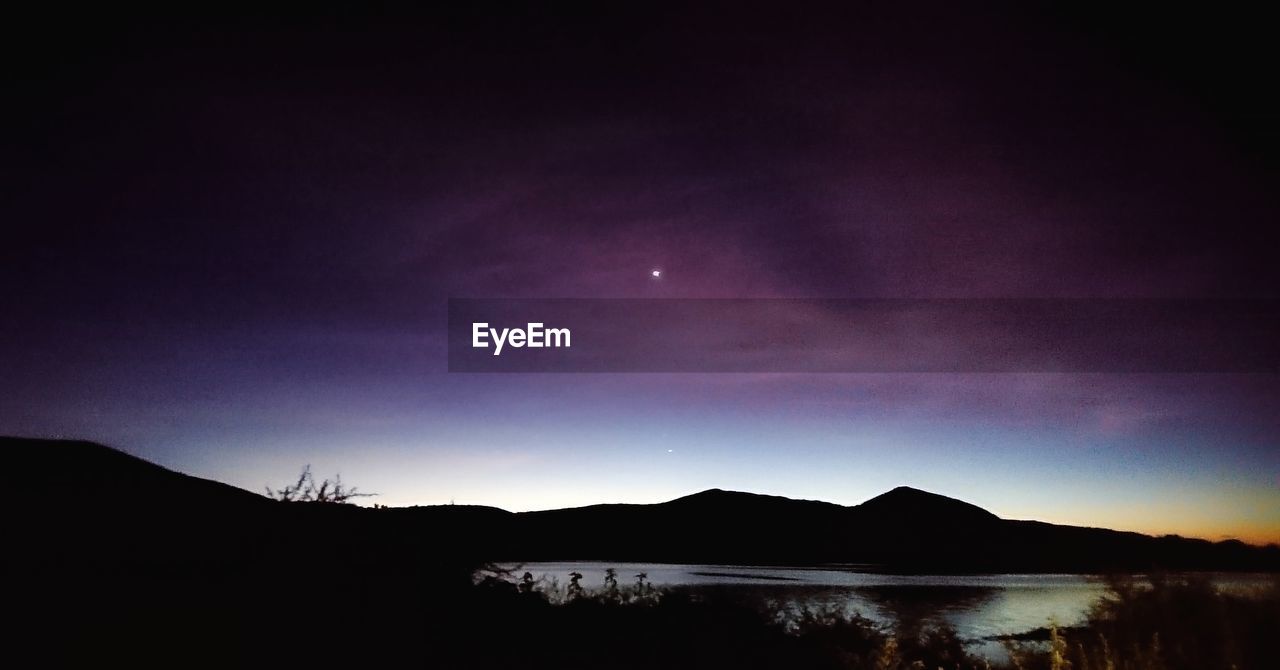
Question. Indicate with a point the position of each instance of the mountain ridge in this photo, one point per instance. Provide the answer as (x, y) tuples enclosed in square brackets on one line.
[(94, 491)]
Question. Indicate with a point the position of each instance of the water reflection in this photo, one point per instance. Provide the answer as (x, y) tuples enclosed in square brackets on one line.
[(977, 606), (911, 608)]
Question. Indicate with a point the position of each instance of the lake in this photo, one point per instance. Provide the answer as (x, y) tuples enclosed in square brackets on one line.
[(979, 607)]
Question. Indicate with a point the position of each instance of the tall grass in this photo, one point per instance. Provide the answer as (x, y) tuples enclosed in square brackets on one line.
[(1167, 623)]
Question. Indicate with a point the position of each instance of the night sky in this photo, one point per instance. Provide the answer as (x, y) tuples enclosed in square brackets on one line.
[(228, 243)]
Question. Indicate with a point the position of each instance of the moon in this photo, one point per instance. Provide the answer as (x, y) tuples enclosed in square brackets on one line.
[(657, 274)]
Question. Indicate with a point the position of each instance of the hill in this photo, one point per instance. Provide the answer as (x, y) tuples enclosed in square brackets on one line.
[(903, 530), (77, 494)]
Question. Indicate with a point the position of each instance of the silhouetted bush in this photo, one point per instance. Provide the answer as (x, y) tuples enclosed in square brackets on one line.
[(307, 490), (1166, 623)]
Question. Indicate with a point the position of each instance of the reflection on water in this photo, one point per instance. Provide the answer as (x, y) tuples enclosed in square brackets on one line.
[(979, 607), (912, 607)]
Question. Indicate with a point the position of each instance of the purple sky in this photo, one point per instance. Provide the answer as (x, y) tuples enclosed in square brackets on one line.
[(228, 244)]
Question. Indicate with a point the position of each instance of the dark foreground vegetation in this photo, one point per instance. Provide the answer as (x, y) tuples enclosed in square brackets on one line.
[(1167, 623), (366, 617), (112, 561), (1150, 624)]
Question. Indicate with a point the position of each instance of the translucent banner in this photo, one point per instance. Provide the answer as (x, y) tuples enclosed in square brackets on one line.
[(854, 335)]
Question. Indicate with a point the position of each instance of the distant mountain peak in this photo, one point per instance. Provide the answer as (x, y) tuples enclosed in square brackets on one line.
[(905, 501), (717, 496), (908, 492)]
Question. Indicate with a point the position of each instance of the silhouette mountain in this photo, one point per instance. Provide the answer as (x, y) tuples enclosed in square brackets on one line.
[(739, 500), (905, 504), (78, 494), (76, 471)]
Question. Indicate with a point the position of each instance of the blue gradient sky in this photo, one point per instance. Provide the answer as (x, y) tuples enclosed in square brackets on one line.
[(229, 250)]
